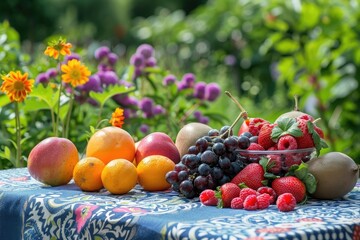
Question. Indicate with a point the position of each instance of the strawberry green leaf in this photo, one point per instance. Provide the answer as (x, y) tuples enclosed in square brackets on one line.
[(315, 136), (218, 195), (310, 183), (301, 171), (242, 185), (264, 162), (286, 126)]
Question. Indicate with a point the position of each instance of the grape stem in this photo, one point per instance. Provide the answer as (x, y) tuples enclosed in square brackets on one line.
[(241, 115), (238, 104)]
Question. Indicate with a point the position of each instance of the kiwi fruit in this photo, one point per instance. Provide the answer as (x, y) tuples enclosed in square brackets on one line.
[(188, 135), (336, 175)]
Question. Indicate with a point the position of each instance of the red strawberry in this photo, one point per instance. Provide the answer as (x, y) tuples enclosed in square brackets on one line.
[(265, 136), (287, 142), (306, 117), (252, 176), (226, 193), (304, 141), (255, 125), (290, 184)]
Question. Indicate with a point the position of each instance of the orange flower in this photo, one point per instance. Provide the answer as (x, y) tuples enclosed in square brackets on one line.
[(117, 118), (17, 86), (56, 48), (75, 73)]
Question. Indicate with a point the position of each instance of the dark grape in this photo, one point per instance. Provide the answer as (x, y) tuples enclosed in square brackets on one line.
[(172, 177), (254, 139), (213, 133), (231, 144), (223, 180), (204, 169), (224, 129), (224, 163), (201, 183), (244, 142), (175, 187), (209, 157), (246, 134), (192, 161), (237, 166), (182, 175), (217, 173), (208, 139), (201, 144), (219, 148), (218, 140), (180, 166), (193, 150), (211, 183), (186, 188)]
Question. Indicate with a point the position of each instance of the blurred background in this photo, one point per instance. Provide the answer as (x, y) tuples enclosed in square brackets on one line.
[(264, 52)]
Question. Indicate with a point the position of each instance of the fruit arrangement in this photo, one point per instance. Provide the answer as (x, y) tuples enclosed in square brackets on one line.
[(264, 163)]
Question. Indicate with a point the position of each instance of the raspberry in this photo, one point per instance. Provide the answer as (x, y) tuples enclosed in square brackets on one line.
[(250, 203), (246, 192), (255, 125), (287, 142), (274, 165), (263, 200), (268, 190), (254, 147), (237, 203), (207, 197), (286, 202)]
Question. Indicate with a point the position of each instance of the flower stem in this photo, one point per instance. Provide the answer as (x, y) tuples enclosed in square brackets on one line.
[(58, 112), (68, 115), (18, 162)]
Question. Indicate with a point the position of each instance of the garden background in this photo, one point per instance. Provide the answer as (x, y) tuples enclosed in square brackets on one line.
[(263, 52)]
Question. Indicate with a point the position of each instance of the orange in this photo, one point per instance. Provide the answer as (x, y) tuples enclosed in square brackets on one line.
[(152, 170), (119, 176), (111, 143), (87, 174)]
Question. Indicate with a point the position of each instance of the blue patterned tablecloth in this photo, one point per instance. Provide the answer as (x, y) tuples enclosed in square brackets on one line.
[(31, 210)]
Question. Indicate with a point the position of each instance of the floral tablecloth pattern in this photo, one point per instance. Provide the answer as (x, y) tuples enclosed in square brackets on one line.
[(31, 210)]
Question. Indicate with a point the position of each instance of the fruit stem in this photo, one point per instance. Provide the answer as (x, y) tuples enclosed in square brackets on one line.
[(316, 120), (238, 104), (241, 115), (296, 99)]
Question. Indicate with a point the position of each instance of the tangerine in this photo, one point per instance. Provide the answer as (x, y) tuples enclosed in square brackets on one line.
[(87, 174), (119, 176), (152, 170), (111, 143)]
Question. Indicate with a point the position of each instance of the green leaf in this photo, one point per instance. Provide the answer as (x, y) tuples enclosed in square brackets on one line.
[(287, 46), (4, 100), (301, 171), (315, 136), (286, 126), (310, 183), (110, 92)]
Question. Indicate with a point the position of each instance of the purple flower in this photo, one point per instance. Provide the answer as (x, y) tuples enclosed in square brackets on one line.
[(51, 72), (72, 56), (146, 50), (212, 91), (151, 62), (108, 77), (126, 83), (197, 114), (112, 58), (42, 78), (144, 128), (93, 102), (125, 100), (158, 109), (230, 60), (101, 52), (189, 80), (137, 60), (181, 85), (199, 90), (146, 105), (169, 80), (94, 84), (204, 120), (138, 71)]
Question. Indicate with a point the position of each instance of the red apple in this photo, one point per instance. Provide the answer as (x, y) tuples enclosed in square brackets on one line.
[(52, 161), (244, 126), (157, 143)]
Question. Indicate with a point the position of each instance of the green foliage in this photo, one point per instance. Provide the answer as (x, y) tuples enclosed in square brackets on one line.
[(305, 48)]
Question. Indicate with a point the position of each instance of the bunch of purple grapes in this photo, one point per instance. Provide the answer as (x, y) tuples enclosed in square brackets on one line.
[(211, 162)]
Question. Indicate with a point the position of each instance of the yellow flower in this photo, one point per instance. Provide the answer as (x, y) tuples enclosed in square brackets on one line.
[(75, 73), (59, 47), (17, 86), (117, 118)]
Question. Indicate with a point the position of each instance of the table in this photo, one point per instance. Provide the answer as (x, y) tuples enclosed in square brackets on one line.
[(31, 210)]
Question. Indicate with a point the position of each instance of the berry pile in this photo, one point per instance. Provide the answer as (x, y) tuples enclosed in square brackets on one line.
[(297, 138), (211, 162)]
